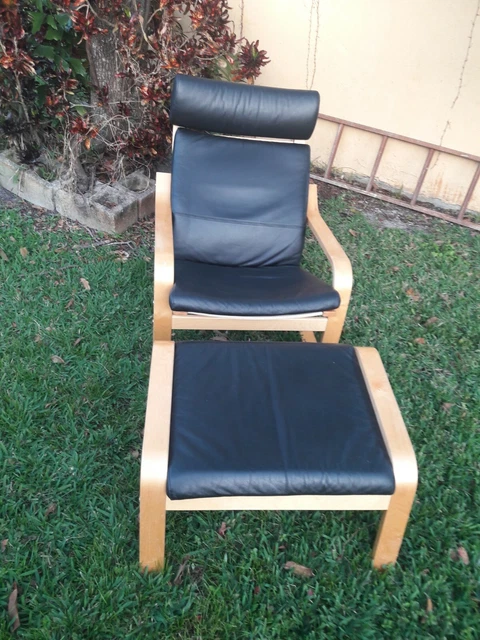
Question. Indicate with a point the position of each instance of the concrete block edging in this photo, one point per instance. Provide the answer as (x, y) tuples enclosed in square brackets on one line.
[(112, 208)]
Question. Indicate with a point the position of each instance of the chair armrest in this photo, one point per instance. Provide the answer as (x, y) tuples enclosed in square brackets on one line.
[(164, 257), (338, 259)]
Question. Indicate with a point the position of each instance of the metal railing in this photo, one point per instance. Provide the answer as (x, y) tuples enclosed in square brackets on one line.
[(385, 136)]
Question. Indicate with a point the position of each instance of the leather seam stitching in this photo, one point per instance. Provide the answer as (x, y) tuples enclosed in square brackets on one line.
[(234, 221)]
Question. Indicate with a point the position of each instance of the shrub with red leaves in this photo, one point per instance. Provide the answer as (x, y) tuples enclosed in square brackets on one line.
[(49, 88)]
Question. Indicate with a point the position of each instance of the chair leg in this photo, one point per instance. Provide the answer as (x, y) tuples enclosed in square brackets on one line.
[(308, 336), (162, 326), (152, 527), (334, 329), (392, 526), (162, 333)]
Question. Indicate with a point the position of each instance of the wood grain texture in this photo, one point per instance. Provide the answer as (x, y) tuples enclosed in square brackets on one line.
[(282, 503), (164, 259), (225, 323), (154, 467), (402, 456), (339, 262)]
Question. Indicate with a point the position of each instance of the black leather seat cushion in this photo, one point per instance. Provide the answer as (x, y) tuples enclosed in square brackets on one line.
[(249, 291), (242, 109), (238, 202), (252, 419)]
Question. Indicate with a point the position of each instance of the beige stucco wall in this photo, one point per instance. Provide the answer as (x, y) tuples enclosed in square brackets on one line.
[(411, 67)]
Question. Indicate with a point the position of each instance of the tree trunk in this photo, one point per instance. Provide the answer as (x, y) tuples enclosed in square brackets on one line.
[(105, 64)]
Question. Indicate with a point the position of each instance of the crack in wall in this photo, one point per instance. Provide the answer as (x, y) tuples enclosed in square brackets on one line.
[(242, 10), (462, 71), (312, 56)]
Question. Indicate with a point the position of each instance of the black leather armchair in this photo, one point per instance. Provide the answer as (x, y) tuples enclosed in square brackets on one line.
[(231, 219)]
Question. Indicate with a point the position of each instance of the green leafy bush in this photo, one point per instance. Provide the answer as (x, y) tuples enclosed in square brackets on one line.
[(58, 94)]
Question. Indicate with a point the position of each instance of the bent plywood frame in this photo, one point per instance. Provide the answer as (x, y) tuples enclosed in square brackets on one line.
[(154, 502)]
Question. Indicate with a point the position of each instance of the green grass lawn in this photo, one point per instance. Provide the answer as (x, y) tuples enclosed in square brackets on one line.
[(74, 371)]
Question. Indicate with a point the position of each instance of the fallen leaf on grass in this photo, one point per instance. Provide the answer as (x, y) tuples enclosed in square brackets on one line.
[(181, 570), (24, 252), (256, 590), (412, 294), (446, 406), (460, 554), (12, 607), (420, 340), (353, 233), (50, 509), (429, 606), (123, 256), (395, 269), (431, 320), (3, 544), (298, 569), (57, 360), (69, 304), (85, 284), (463, 555), (3, 255), (38, 338), (222, 530), (77, 341)]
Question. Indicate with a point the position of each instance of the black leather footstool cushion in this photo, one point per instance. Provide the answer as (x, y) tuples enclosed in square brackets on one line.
[(253, 419), (249, 291)]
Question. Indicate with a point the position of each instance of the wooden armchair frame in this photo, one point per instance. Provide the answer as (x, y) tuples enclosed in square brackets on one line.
[(154, 502), (329, 322)]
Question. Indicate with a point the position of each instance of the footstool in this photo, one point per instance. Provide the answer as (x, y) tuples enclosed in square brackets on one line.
[(254, 425)]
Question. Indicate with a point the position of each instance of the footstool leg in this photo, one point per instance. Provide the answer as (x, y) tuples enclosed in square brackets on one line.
[(393, 525), (152, 528), (154, 468), (395, 518)]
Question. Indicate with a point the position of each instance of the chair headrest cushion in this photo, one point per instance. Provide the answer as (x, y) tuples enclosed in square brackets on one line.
[(239, 109)]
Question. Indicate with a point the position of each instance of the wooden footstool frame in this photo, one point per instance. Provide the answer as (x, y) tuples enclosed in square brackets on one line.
[(154, 502)]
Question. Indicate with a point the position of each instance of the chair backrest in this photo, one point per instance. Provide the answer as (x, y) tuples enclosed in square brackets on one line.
[(240, 202)]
